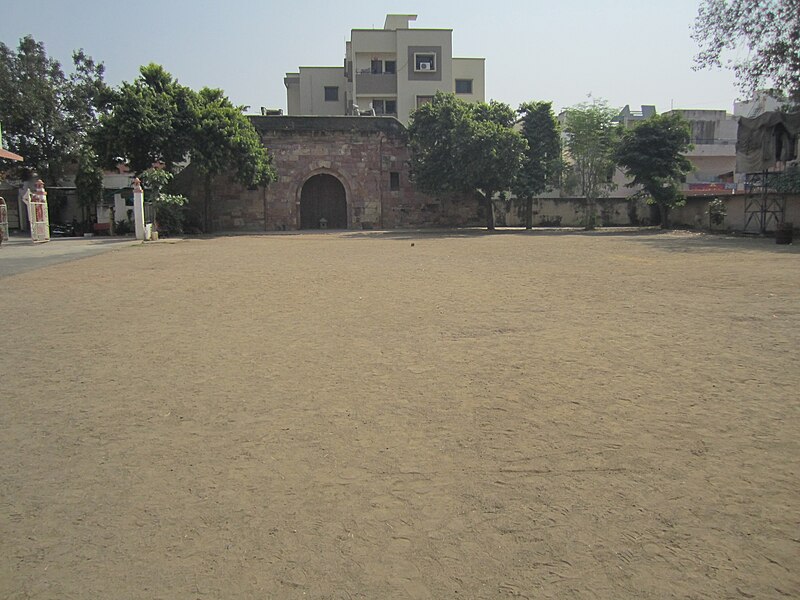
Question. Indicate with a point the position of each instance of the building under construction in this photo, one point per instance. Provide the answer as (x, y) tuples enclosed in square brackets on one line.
[(767, 145)]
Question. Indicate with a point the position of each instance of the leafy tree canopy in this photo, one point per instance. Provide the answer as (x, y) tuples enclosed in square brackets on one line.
[(788, 182), (151, 122), (763, 36), (460, 147), (590, 141), (88, 181), (45, 113), (223, 138), (156, 120), (156, 181), (653, 153), (541, 165)]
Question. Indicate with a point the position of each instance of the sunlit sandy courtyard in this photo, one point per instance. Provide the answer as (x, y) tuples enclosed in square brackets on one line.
[(404, 415)]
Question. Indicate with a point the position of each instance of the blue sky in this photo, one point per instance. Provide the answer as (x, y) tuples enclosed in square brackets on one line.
[(627, 52)]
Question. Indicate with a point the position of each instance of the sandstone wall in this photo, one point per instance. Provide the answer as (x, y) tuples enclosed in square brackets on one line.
[(363, 152), (362, 158)]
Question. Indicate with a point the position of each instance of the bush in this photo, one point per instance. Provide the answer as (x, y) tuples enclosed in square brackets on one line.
[(717, 209), (170, 218), (123, 227)]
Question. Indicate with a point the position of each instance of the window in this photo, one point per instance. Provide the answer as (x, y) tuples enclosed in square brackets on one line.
[(376, 66), (331, 93), (394, 181), (463, 86), (424, 62), (385, 107), (390, 66), (424, 100)]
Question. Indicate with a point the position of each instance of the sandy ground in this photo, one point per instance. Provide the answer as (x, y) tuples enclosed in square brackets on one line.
[(20, 254), (377, 415)]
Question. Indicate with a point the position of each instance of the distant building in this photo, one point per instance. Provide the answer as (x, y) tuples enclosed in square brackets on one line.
[(627, 116), (389, 71), (759, 104), (714, 154)]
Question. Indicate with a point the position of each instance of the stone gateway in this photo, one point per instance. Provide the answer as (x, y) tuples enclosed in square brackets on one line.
[(333, 172)]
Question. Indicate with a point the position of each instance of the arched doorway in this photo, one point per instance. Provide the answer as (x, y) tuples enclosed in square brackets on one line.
[(323, 197)]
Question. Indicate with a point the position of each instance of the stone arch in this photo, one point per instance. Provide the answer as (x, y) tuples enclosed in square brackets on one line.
[(323, 193)]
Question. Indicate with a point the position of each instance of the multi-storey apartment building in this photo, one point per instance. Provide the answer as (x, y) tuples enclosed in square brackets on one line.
[(389, 71), (713, 155)]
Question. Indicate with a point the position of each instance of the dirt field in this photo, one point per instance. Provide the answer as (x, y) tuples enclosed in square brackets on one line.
[(404, 416)]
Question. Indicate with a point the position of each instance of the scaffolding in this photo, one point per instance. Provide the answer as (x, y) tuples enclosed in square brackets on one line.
[(764, 209)]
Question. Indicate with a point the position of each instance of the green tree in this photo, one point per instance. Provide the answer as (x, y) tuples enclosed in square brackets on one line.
[(167, 207), (653, 153), (151, 121), (788, 182), (590, 141), (459, 147), (223, 140), (769, 31), (46, 114), (541, 165), (155, 120), (88, 183)]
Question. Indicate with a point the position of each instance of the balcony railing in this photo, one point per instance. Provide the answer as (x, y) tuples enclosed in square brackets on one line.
[(380, 83), (713, 142)]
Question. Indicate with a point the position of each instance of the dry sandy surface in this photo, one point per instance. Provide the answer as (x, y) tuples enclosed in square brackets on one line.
[(405, 415)]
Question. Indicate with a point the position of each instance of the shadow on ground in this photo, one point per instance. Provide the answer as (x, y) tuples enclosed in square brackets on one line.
[(667, 240), (690, 242)]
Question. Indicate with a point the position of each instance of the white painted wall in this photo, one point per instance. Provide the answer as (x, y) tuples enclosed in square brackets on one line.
[(292, 83), (313, 81), (474, 69), (390, 43), (407, 89)]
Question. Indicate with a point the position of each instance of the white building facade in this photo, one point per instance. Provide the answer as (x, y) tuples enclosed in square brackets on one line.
[(389, 71), (714, 153)]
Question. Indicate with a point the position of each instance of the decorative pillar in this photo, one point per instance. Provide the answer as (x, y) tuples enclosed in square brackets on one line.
[(37, 213), (3, 221), (138, 209)]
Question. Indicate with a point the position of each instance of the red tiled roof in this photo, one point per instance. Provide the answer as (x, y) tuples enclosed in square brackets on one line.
[(9, 155)]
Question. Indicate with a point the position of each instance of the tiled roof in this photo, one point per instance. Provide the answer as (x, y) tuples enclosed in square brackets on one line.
[(9, 155)]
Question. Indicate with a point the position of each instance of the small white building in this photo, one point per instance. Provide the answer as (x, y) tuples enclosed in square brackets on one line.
[(389, 71)]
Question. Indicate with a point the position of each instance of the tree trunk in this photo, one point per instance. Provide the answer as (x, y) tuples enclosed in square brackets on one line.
[(207, 206), (590, 214), (489, 212), (664, 211), (529, 213)]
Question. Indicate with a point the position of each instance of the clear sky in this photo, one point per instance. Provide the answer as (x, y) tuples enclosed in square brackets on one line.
[(625, 51)]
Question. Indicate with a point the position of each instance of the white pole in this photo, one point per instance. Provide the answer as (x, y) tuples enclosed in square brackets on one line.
[(138, 209)]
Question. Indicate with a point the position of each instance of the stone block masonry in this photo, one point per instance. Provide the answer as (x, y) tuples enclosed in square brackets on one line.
[(367, 155)]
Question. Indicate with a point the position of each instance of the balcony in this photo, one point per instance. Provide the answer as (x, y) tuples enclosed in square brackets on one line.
[(368, 83), (712, 147)]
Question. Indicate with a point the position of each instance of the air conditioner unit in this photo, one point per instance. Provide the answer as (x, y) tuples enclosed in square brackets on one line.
[(424, 66)]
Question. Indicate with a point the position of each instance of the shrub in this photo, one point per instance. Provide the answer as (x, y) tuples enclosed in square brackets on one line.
[(717, 209), (123, 227)]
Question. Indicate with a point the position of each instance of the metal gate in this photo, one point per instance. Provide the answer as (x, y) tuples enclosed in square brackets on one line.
[(323, 203), (37, 213), (763, 207)]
